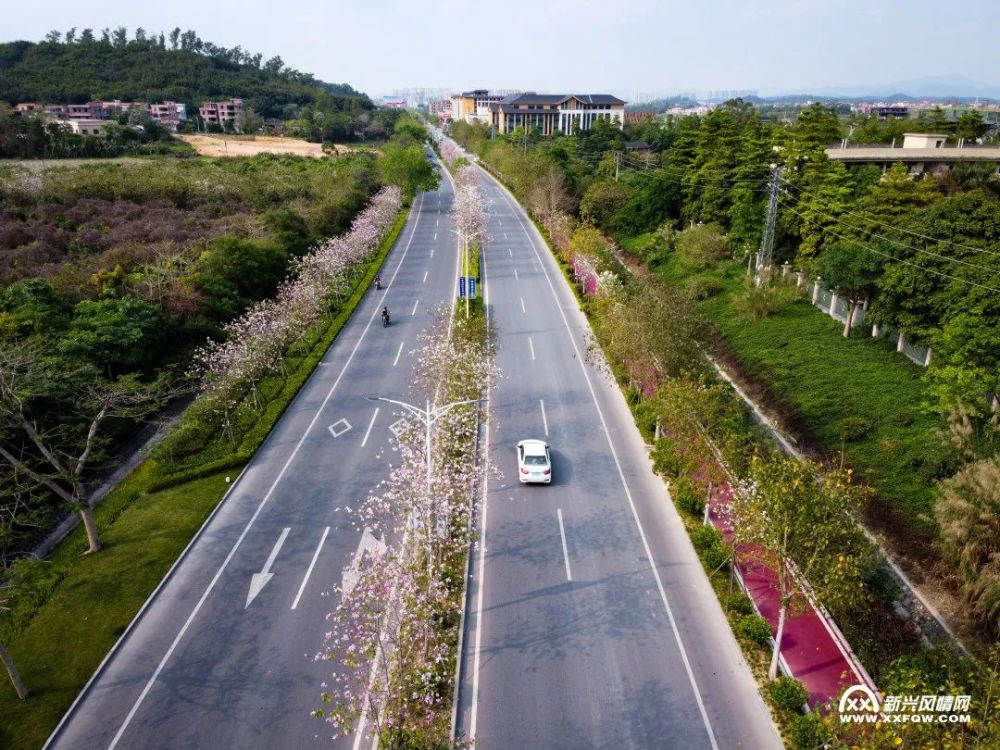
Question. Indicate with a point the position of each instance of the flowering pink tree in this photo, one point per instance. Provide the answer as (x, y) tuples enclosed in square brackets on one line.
[(255, 343), (387, 638)]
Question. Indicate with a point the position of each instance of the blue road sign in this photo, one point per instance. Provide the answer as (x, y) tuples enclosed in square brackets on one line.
[(461, 287), (472, 287)]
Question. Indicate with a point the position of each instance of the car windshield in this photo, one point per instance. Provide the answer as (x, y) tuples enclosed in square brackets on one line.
[(534, 461)]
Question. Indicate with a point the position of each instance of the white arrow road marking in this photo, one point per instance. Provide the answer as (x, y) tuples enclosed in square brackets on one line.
[(259, 580), (312, 565), (339, 427), (352, 573), (562, 533), (369, 430)]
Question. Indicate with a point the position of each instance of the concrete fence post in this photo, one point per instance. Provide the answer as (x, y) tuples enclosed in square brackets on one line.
[(785, 268), (876, 331), (833, 305), (902, 341), (800, 279), (815, 294)]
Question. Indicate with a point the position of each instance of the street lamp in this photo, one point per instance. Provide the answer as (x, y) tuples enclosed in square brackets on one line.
[(429, 416)]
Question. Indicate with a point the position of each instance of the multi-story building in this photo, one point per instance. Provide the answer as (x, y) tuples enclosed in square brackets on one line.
[(221, 113), (168, 114), (555, 113), (85, 127), (474, 105)]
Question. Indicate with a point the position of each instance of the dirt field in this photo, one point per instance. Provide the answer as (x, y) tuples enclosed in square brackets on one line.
[(217, 145)]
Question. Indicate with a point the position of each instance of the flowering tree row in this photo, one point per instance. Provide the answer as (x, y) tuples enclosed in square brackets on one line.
[(391, 636), (254, 343), (469, 208)]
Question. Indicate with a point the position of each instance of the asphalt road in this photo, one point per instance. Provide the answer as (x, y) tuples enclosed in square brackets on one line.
[(208, 664), (590, 622)]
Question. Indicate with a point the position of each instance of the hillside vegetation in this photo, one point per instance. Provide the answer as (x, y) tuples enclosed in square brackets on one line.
[(78, 67)]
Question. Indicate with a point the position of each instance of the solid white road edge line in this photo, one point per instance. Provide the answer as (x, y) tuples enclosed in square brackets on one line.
[(145, 606), (396, 360), (312, 564), (477, 641), (562, 533), (368, 431), (628, 492), (232, 552)]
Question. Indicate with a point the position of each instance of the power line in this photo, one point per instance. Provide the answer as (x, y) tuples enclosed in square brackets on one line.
[(891, 241), (904, 261), (899, 229)]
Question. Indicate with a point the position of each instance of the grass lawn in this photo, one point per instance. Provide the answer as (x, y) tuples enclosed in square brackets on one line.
[(71, 613), (801, 357), (95, 602)]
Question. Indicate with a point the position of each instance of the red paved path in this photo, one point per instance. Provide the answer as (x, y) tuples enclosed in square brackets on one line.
[(813, 649)]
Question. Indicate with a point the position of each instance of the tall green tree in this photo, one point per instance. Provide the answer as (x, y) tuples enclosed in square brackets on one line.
[(851, 270)]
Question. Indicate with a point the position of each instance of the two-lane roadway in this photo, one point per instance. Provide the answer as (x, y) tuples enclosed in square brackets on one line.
[(590, 622), (222, 654)]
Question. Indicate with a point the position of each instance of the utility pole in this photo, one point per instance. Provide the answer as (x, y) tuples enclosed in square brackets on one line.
[(766, 251)]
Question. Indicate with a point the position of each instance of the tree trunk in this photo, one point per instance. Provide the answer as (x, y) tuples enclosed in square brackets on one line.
[(772, 672), (87, 514), (850, 318), (15, 678)]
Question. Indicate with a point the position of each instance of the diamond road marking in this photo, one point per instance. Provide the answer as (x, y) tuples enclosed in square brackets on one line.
[(339, 427), (398, 427)]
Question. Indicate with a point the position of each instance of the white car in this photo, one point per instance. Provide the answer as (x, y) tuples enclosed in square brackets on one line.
[(534, 464)]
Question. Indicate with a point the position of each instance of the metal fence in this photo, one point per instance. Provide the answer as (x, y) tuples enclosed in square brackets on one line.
[(839, 308)]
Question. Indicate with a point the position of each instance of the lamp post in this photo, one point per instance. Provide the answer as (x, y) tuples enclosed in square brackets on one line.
[(429, 416)]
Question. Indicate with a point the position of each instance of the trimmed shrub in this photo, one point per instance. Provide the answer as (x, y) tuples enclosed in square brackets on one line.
[(788, 693), (666, 459), (759, 302), (739, 603), (703, 287), (756, 628), (702, 246), (808, 733), (687, 496), (704, 537), (716, 556)]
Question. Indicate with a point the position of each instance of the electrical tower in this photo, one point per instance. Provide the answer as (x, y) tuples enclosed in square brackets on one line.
[(766, 251)]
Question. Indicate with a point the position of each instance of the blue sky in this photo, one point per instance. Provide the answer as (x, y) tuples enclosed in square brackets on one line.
[(580, 45)]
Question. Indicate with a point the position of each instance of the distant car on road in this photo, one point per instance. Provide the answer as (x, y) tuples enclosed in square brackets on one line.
[(534, 464)]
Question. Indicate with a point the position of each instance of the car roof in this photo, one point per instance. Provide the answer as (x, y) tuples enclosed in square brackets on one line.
[(534, 447)]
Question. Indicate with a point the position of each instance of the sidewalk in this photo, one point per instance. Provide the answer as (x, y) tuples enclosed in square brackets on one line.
[(813, 650)]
